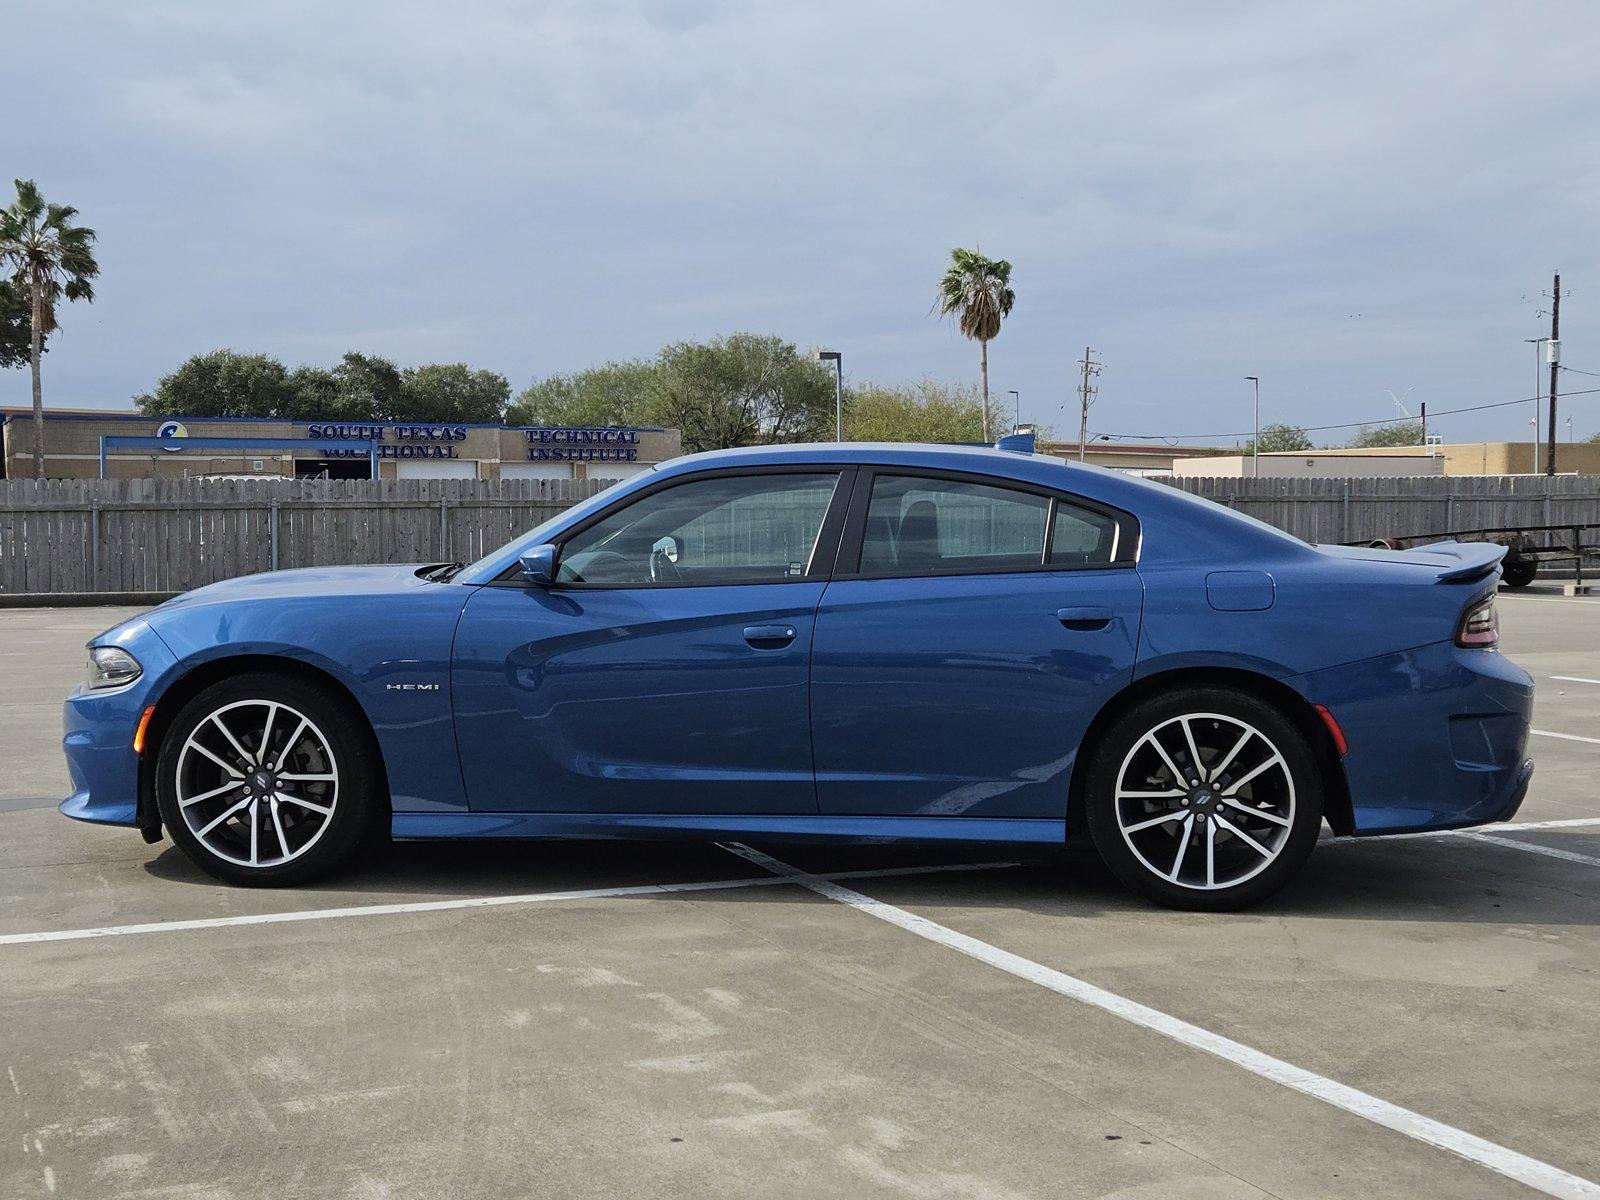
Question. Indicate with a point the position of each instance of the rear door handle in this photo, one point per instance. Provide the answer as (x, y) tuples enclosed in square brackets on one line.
[(769, 637), (1085, 619)]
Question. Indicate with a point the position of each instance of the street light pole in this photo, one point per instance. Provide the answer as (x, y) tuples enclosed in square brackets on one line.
[(1018, 395), (1255, 445), (837, 359), (1538, 393)]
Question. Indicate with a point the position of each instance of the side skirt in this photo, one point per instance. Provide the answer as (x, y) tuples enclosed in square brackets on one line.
[(702, 826)]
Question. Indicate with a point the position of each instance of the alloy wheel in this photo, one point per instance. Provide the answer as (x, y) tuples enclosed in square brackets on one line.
[(257, 783), (1205, 801)]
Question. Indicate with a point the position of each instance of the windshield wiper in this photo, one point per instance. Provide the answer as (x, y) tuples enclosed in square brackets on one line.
[(446, 572)]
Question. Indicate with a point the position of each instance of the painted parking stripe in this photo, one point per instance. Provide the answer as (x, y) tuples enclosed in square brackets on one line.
[(1566, 737), (1588, 860), (1574, 679), (426, 906), (1569, 823), (1530, 1171)]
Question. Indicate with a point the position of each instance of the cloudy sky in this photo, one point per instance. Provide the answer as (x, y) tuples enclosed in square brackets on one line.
[(1346, 199)]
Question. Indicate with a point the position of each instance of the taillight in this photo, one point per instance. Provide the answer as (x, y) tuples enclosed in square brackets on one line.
[(1480, 625)]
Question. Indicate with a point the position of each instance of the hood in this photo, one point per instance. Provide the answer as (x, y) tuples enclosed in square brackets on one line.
[(309, 582)]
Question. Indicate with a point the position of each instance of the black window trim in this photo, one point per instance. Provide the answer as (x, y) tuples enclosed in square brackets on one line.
[(1124, 547), (819, 568)]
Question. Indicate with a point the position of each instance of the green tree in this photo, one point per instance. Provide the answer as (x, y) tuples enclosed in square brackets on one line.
[(312, 395), (1406, 433), (15, 329), (977, 292), (742, 390), (927, 411), (614, 393), (1279, 438), (49, 258), (223, 383), (368, 387), (452, 392)]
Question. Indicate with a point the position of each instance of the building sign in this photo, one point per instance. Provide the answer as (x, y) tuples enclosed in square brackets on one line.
[(583, 445), (172, 429), (394, 441)]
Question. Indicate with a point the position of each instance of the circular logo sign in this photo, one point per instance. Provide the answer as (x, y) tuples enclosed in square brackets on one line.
[(172, 429)]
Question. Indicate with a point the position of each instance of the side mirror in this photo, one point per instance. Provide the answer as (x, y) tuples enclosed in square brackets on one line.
[(539, 564)]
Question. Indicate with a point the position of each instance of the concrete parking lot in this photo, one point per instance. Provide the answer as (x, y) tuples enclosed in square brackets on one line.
[(1415, 1017)]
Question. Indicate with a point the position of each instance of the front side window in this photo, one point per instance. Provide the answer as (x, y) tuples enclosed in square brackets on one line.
[(938, 526), (728, 530)]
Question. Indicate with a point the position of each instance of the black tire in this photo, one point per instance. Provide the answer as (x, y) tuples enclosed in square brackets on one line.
[(1281, 813), (338, 743), (1519, 572)]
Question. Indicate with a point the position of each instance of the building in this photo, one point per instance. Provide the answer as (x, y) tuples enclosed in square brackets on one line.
[(1496, 458), (1463, 458), (1139, 458), (1311, 464), (73, 446)]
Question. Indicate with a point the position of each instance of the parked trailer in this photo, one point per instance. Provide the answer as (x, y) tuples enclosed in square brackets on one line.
[(1527, 546)]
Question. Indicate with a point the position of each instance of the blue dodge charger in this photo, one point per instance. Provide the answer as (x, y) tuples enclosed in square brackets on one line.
[(858, 642)]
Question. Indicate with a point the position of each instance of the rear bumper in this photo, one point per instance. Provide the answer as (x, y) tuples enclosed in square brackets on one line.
[(1438, 736)]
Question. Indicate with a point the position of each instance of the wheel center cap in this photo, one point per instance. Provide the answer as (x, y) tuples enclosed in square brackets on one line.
[(1204, 798), (262, 781)]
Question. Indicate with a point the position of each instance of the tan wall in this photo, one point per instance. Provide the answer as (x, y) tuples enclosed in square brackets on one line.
[(1310, 465), (1499, 458)]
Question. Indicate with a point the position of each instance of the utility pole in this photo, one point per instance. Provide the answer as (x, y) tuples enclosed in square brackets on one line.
[(1555, 366), (1086, 395), (1255, 444), (1424, 425)]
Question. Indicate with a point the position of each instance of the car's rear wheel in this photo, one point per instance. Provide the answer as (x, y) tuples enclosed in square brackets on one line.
[(267, 779), (1206, 798)]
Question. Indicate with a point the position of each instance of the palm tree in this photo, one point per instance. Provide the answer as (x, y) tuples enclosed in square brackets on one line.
[(978, 291), (47, 257)]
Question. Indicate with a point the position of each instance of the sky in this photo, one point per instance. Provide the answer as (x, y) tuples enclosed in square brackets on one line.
[(1348, 200)]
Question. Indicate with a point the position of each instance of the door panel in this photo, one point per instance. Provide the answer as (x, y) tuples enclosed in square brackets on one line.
[(666, 699), (965, 695)]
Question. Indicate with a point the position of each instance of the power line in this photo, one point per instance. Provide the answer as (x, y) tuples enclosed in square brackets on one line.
[(1443, 412)]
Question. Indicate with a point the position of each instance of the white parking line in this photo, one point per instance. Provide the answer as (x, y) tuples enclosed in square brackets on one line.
[(1574, 679), (1531, 847), (1569, 823), (1530, 1171), (1566, 737), (386, 910)]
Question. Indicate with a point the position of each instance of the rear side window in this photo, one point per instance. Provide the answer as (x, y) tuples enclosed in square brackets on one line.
[(919, 526), (1081, 536)]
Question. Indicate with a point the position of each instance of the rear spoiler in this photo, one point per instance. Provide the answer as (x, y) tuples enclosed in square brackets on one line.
[(1474, 560)]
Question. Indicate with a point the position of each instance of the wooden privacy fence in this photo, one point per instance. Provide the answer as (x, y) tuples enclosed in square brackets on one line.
[(161, 535), (1350, 510), (170, 535)]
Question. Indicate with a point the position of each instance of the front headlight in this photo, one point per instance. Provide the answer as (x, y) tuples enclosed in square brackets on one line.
[(110, 667)]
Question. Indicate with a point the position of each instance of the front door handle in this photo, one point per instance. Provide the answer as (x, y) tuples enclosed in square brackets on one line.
[(769, 637), (1085, 619)]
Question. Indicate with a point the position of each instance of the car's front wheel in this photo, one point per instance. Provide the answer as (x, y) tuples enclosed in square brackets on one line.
[(1206, 798), (267, 779)]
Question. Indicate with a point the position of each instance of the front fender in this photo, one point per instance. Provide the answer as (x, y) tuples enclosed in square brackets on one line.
[(390, 651)]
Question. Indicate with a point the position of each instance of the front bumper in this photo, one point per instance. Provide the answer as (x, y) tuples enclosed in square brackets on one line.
[(1438, 736), (99, 728)]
